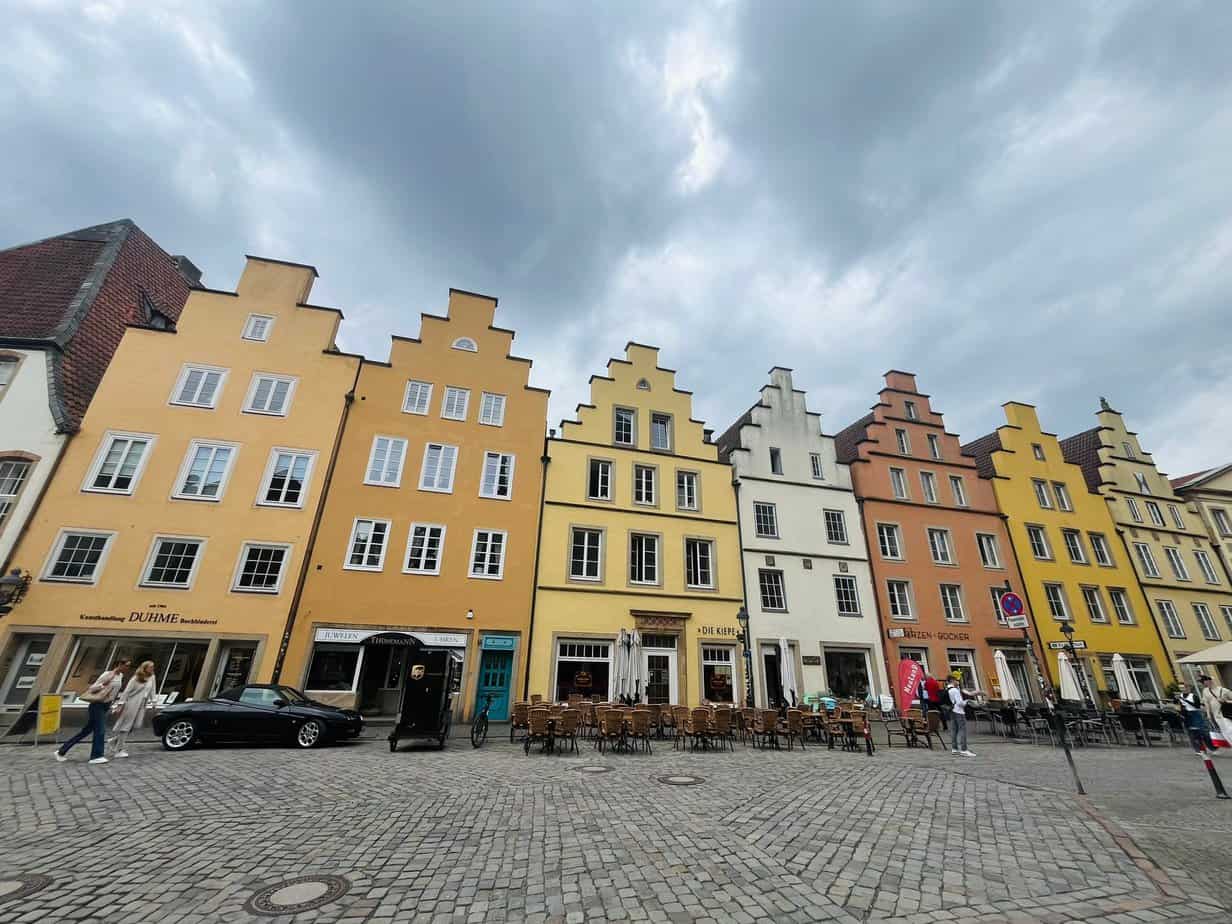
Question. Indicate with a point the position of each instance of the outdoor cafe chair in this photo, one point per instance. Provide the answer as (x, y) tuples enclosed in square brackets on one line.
[(722, 728), (793, 728), (536, 699), (859, 722), (700, 726), (611, 729), (748, 720), (575, 700), (667, 720), (766, 728), (567, 728), (910, 726), (639, 728), (680, 715), (520, 720), (537, 731), (655, 710)]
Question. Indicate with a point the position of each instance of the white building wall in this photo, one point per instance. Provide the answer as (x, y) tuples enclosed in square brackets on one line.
[(812, 623), (26, 425)]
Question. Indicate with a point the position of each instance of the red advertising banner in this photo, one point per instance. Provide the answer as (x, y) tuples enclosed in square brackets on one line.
[(910, 673)]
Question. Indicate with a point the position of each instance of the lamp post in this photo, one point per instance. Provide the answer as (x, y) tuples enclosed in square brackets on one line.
[(13, 588), (742, 617), (1067, 629)]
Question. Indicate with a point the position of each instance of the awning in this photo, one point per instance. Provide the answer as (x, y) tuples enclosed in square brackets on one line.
[(1219, 654)]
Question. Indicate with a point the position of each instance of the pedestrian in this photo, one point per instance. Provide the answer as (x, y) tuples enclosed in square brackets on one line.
[(932, 686), (958, 713), (100, 695), (1217, 703), (921, 693), (130, 708), (1195, 719)]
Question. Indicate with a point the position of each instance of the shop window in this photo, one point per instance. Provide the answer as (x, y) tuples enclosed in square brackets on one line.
[(333, 667), (582, 667), (847, 674), (718, 674), (177, 664)]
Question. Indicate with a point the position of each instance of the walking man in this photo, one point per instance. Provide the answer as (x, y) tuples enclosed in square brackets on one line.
[(100, 695), (958, 715)]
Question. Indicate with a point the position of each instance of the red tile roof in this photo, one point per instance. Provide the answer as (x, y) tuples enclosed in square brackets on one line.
[(847, 439), (1082, 449), (981, 449), (73, 295)]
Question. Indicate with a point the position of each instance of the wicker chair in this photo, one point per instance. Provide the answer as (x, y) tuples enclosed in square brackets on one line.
[(667, 720), (639, 728), (794, 728), (536, 698), (680, 717), (567, 729), (701, 727), (656, 714), (748, 724), (723, 728), (520, 720), (766, 728), (599, 712), (537, 730), (575, 700), (611, 729)]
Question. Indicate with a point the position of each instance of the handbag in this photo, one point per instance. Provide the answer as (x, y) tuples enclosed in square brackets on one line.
[(96, 691)]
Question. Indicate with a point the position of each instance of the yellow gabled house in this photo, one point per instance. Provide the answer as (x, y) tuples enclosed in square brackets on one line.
[(177, 526), (639, 532), (1074, 568), (1166, 540)]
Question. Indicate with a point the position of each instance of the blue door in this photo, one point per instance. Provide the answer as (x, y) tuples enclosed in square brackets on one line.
[(494, 673)]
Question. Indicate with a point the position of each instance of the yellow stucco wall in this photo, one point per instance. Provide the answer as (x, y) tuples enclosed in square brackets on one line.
[(572, 609), (1118, 472), (335, 596), (1016, 467), (135, 397)]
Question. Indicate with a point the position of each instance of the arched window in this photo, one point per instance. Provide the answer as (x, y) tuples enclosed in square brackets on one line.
[(643, 385), (466, 343)]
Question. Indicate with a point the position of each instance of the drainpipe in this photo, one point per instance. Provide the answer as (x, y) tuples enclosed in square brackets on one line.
[(544, 460), (347, 401), (744, 590)]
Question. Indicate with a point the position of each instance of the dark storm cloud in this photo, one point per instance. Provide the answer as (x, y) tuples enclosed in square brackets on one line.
[(1022, 201)]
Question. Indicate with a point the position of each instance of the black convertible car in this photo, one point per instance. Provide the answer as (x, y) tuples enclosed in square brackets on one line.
[(256, 713)]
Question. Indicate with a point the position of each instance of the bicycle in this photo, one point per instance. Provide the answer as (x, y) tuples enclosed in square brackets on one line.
[(479, 726)]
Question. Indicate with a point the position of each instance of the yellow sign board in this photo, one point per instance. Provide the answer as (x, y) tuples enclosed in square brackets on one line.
[(49, 713)]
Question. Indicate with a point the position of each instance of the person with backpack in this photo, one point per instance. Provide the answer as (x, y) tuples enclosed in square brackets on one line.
[(958, 713), (100, 695), (935, 700)]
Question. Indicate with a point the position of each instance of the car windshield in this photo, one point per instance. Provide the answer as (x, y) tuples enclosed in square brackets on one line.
[(292, 695)]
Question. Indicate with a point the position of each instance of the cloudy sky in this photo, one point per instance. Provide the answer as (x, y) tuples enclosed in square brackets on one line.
[(1015, 201)]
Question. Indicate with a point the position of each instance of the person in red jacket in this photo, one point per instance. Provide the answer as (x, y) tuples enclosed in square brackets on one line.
[(933, 688)]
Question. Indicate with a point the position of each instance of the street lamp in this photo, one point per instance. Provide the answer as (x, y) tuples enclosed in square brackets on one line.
[(13, 588), (1067, 629), (742, 617)]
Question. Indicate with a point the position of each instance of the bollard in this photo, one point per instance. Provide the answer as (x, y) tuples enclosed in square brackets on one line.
[(1220, 792)]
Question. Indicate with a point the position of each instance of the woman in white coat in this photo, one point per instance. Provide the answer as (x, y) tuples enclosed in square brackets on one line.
[(130, 708), (1216, 701)]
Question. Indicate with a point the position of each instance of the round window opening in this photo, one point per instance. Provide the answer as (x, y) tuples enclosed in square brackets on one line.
[(466, 343)]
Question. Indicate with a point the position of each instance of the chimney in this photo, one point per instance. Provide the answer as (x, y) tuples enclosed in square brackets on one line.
[(188, 270)]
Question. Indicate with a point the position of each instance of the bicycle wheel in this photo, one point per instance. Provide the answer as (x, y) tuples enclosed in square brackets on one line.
[(479, 731)]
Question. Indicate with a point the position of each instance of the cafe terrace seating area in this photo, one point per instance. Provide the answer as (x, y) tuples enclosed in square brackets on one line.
[(623, 729)]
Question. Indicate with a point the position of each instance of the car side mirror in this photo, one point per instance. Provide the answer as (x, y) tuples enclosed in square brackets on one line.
[(280, 703)]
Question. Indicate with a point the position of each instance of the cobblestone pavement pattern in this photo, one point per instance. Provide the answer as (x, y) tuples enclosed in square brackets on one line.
[(492, 835)]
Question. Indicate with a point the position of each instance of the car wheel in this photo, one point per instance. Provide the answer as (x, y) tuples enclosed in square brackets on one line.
[(310, 734), (179, 735)]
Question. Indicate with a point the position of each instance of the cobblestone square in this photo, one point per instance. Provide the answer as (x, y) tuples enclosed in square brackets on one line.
[(354, 833)]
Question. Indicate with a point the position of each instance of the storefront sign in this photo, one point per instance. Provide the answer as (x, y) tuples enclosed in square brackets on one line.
[(811, 660), (1078, 643), (49, 713), (151, 617), (582, 680), (355, 636), (724, 631), (718, 681), (499, 642), (921, 634)]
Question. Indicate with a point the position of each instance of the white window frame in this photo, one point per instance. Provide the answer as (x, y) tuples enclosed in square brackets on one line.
[(616, 415), (346, 556), (1171, 620), (1037, 450), (603, 464), (946, 545), (1226, 610), (995, 593), (774, 519), (1100, 542), (275, 377), (186, 370), (660, 415), (838, 519), (268, 477), (1133, 509), (423, 468), (776, 460), (1223, 524), (504, 549), (1060, 601), (1043, 496), (898, 484), (853, 588), (598, 551), (948, 602), (243, 557), (934, 446), (1176, 563), (186, 467), (249, 323), (818, 466), (421, 388), (895, 602), (440, 549), (1061, 492), (653, 500), (1097, 613), (782, 589), (58, 546), (152, 554), (1206, 567), (903, 441), (909, 408), (466, 345), (1146, 560), (928, 485), (1035, 531), (487, 401), (1143, 486), (452, 392), (689, 477), (959, 489), (1176, 516), (658, 559), (391, 441), (1206, 622), (100, 456), (699, 542), (893, 531), (1076, 536), (483, 474), (1157, 515), (990, 552), (1121, 594)]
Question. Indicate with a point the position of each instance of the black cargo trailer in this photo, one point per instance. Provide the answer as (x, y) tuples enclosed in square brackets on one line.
[(425, 709)]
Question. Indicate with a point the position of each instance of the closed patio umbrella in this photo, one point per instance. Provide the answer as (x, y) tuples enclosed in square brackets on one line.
[(1009, 688), (1070, 689), (787, 673), (1126, 685), (620, 661), (637, 669)]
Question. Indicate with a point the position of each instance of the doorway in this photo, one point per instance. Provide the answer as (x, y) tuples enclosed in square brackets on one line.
[(772, 675), (380, 680), (29, 651), (495, 670), (234, 666)]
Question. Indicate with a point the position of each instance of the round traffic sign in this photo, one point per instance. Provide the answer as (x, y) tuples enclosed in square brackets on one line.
[(1011, 604)]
